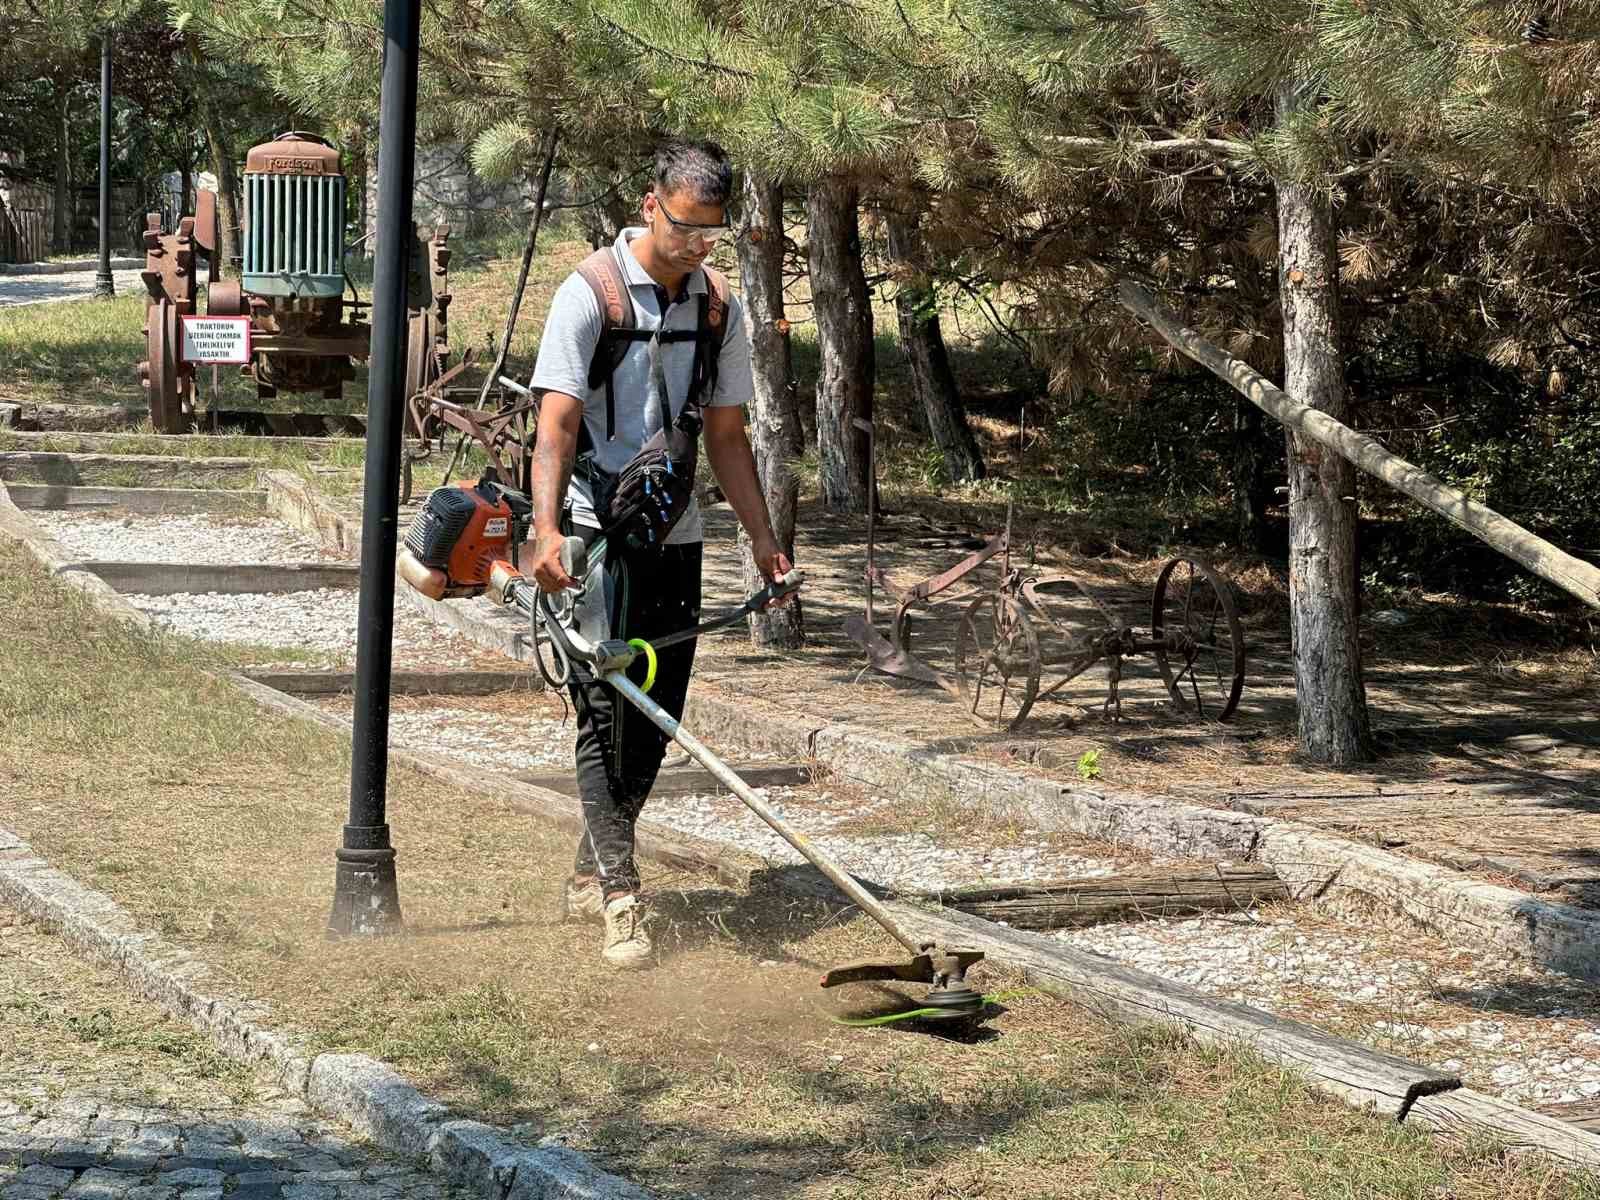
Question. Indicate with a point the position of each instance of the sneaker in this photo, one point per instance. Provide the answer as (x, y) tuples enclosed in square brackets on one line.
[(627, 944), (583, 902)]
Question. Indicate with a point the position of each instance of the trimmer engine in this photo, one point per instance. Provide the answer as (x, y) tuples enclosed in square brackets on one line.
[(458, 535)]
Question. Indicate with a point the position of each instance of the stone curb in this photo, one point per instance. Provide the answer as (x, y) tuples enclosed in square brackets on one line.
[(68, 268), (1337, 871), (366, 1094)]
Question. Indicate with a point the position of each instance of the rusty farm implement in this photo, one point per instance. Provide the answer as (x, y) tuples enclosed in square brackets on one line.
[(999, 658)]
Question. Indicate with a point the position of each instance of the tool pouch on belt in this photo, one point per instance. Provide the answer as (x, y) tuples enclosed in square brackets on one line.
[(640, 505)]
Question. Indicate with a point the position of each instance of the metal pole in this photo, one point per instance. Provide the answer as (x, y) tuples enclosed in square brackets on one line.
[(104, 285), (664, 721), (366, 899)]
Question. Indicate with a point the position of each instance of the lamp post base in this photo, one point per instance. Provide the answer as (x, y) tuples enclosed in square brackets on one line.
[(366, 893), (104, 285)]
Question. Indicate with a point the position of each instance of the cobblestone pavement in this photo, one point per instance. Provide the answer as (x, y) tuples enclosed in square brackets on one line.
[(104, 1098), (69, 285)]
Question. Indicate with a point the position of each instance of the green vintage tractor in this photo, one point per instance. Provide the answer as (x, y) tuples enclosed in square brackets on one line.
[(297, 323)]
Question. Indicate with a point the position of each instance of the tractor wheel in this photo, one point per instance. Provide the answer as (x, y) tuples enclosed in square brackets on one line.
[(161, 374)]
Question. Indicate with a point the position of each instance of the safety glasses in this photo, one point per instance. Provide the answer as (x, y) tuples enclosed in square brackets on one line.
[(708, 234)]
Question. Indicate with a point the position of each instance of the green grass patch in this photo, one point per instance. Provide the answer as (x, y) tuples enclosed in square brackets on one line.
[(78, 352)]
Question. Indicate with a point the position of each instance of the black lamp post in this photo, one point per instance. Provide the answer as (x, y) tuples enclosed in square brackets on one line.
[(104, 285), (366, 899)]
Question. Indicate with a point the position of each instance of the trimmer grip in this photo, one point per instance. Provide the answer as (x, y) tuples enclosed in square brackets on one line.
[(574, 557)]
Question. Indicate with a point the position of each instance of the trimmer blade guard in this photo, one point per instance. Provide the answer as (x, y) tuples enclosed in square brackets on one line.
[(941, 968)]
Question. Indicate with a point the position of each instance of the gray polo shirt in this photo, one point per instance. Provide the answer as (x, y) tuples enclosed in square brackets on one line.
[(571, 332)]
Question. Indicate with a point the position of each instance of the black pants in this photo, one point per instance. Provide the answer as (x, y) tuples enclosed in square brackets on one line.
[(619, 750)]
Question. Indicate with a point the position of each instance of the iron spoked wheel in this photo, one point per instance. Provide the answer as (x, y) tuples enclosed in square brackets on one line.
[(422, 367), (997, 661), (161, 374), (1199, 644)]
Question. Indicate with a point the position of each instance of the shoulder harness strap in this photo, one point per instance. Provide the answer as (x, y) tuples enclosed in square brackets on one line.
[(618, 323), (710, 333)]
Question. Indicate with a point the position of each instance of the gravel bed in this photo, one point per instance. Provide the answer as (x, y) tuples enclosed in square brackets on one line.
[(908, 860), (523, 744), (320, 620), (912, 860), (179, 539), (1518, 1032)]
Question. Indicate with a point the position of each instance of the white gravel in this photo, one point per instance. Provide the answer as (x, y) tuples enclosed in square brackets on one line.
[(320, 620), (911, 860), (1515, 1031), (483, 737), (178, 539)]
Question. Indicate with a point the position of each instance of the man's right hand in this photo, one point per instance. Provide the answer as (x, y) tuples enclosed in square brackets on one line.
[(545, 563)]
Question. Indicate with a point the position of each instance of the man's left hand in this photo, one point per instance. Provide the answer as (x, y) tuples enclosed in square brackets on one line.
[(773, 563)]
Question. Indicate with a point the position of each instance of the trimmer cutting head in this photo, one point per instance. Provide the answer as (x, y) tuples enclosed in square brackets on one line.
[(951, 996)]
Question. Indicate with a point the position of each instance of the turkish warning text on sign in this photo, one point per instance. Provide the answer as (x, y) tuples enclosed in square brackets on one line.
[(216, 339)]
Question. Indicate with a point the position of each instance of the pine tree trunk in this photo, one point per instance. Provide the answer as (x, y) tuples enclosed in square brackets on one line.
[(923, 342), (62, 217), (1250, 494), (774, 414), (844, 338), (227, 177), (1324, 601)]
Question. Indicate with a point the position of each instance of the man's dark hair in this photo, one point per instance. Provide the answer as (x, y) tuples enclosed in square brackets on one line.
[(699, 168)]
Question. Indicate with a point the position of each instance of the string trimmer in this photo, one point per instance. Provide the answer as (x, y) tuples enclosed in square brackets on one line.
[(463, 542)]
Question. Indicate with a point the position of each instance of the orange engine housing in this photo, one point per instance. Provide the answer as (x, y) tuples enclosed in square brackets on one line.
[(458, 535)]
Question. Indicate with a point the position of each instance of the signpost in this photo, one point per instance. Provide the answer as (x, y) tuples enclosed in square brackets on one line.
[(215, 340)]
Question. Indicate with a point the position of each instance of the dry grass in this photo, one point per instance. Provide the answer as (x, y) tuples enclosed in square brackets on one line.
[(71, 1025), (714, 1074)]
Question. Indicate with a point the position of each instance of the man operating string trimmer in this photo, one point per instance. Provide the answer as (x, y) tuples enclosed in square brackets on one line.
[(644, 346)]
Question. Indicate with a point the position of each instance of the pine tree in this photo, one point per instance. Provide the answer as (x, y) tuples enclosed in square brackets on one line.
[(922, 342), (1364, 119), (776, 436)]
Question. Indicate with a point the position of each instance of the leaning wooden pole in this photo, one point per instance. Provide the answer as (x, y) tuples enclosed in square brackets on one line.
[(1549, 562)]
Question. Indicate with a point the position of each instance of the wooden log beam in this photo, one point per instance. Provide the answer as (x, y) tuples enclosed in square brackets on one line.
[(1472, 1118), (403, 683), (147, 501), (688, 780), (1125, 897), (1549, 562), (1585, 1114), (1352, 1072), (231, 579)]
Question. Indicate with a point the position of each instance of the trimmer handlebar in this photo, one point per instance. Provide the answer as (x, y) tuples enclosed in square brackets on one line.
[(574, 557)]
